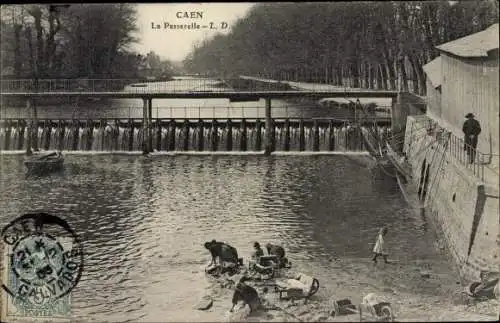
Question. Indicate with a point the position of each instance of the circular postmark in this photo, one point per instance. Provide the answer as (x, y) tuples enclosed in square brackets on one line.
[(46, 259)]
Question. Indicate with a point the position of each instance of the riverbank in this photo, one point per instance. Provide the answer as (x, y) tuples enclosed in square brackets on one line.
[(405, 306)]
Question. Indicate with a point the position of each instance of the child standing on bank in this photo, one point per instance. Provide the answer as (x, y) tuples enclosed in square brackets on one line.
[(379, 248)]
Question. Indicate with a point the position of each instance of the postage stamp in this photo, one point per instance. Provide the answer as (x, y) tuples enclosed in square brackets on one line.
[(42, 263)]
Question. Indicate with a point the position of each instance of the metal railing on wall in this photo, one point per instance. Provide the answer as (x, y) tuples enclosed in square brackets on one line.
[(467, 155)]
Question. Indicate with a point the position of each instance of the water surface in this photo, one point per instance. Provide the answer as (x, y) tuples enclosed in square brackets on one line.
[(144, 220)]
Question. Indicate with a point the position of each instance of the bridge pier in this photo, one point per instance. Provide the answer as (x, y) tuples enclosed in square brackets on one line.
[(331, 139), (258, 135), (185, 135), (269, 133), (147, 121), (150, 125), (315, 136), (215, 134), (29, 152), (302, 136), (144, 125), (287, 134)]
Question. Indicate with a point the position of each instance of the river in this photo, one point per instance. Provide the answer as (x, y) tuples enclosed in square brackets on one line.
[(144, 220)]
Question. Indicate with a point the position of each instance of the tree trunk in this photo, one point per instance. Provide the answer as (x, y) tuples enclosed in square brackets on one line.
[(17, 49), (50, 46), (378, 74), (420, 71), (403, 81), (40, 66), (371, 79), (416, 75), (340, 75), (27, 34), (366, 71), (82, 61), (385, 78), (391, 75)]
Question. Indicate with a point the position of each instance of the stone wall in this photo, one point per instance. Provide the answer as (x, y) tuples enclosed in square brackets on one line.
[(462, 207), (2, 291)]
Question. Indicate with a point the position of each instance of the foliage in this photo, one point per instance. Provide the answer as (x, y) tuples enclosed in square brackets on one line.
[(368, 44), (74, 41)]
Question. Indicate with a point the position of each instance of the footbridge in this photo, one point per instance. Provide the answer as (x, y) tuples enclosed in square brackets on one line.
[(241, 89)]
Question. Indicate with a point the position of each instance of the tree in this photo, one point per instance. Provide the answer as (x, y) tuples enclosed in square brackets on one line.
[(345, 43)]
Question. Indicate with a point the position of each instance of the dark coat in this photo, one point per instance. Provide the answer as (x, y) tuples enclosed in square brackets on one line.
[(275, 250), (224, 251), (470, 128), (247, 294)]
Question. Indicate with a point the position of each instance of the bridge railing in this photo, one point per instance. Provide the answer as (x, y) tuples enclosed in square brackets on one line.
[(151, 86), (92, 85), (131, 85), (246, 110)]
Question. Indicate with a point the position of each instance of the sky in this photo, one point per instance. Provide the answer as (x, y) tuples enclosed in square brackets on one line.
[(175, 44)]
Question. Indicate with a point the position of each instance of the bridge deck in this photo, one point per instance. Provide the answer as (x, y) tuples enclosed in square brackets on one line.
[(209, 94), (179, 88)]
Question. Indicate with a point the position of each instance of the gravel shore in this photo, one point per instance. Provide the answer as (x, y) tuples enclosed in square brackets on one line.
[(405, 306)]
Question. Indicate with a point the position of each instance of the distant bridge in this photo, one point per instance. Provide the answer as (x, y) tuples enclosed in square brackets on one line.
[(252, 89), (181, 88)]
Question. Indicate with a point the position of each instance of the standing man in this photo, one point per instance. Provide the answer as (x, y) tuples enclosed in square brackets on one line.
[(471, 129)]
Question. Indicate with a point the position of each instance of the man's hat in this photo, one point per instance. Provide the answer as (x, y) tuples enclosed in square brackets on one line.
[(469, 115)]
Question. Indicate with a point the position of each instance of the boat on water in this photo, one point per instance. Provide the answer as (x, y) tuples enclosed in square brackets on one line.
[(44, 163), (399, 161), (372, 143), (139, 85), (409, 192)]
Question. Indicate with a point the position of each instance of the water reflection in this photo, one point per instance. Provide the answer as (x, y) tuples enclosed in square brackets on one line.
[(144, 220)]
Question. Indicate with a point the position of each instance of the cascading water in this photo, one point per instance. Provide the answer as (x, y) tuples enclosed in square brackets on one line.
[(128, 137)]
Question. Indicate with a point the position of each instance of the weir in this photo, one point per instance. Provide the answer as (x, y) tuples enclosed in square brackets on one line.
[(203, 88), (186, 135)]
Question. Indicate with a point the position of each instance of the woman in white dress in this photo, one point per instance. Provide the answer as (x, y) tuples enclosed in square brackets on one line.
[(379, 248)]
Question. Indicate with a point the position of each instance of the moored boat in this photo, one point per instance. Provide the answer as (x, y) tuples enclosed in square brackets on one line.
[(399, 161), (44, 163), (409, 192), (372, 144)]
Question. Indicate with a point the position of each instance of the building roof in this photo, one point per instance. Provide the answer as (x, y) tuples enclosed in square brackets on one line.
[(475, 45), (433, 71)]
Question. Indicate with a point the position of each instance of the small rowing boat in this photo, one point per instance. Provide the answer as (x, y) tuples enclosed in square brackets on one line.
[(409, 192), (399, 161), (44, 163), (372, 143)]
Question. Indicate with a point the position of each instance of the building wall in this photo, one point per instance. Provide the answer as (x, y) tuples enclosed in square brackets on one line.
[(456, 203), (472, 85), (433, 100)]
